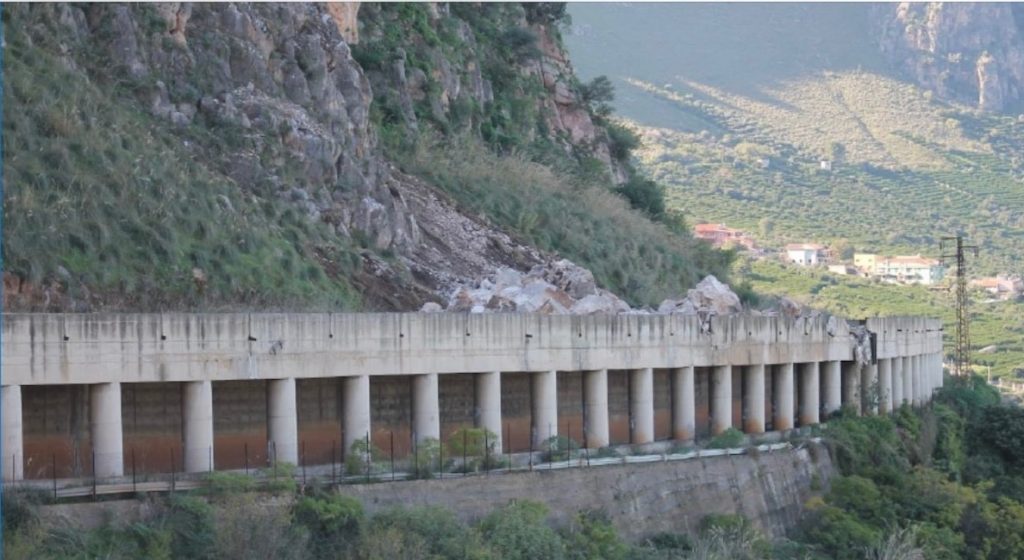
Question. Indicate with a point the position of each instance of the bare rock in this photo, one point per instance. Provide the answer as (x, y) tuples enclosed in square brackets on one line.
[(567, 276)]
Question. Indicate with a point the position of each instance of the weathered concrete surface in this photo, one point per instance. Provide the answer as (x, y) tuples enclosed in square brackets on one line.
[(46, 349), (640, 499)]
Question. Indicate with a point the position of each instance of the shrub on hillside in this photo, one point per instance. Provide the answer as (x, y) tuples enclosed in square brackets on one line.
[(519, 531), (332, 520)]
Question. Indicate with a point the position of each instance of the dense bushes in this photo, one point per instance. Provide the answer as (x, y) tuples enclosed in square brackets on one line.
[(903, 471)]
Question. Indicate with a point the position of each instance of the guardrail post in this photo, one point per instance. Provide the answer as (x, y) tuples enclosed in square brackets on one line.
[(53, 471), (369, 454), (93, 474), (508, 438)]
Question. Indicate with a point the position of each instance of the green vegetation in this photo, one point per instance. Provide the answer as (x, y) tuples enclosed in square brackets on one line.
[(931, 475), (111, 208), (729, 439)]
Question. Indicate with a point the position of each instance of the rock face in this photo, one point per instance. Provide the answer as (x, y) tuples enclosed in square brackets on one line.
[(967, 52), (284, 80)]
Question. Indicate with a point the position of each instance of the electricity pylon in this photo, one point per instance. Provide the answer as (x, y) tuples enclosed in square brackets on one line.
[(962, 359)]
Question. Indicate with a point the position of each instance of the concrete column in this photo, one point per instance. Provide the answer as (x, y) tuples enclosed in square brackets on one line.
[(197, 424), (721, 399), (753, 389), (488, 405), (783, 392), (897, 382), (13, 462), (426, 415), (851, 385), (809, 394), (833, 380), (908, 380), (684, 414), (595, 397), (884, 386), (282, 421), (355, 393), (105, 429), (868, 387), (919, 381), (545, 406), (641, 405)]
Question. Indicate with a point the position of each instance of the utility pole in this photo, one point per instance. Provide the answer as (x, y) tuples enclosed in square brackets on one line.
[(962, 359)]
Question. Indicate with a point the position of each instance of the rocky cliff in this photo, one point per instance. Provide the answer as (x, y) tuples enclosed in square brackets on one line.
[(183, 155), (972, 53)]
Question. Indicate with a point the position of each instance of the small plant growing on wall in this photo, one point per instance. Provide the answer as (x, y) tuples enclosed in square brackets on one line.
[(362, 458), (559, 448), (729, 439)]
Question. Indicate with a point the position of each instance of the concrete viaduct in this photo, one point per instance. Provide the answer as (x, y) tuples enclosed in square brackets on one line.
[(98, 384)]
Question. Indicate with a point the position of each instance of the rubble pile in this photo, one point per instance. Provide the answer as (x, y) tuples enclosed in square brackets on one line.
[(555, 288), (563, 288), (710, 297)]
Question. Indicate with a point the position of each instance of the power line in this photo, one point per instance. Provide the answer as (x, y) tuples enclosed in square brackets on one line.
[(962, 358)]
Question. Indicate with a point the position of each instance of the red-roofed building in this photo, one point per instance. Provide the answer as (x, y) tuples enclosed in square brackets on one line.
[(721, 236), (1003, 286)]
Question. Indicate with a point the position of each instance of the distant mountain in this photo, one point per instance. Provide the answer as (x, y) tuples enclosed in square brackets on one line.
[(741, 106)]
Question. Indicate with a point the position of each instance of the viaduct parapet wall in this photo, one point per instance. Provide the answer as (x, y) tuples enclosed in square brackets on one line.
[(748, 372)]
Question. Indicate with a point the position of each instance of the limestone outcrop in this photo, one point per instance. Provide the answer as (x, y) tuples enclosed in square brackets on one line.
[(972, 53)]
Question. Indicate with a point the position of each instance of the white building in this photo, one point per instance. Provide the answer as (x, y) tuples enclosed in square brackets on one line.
[(910, 270), (805, 254)]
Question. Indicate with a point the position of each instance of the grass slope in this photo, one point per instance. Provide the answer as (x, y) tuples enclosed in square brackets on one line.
[(104, 200)]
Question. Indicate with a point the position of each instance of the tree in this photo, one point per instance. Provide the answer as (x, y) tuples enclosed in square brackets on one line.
[(598, 95), (547, 12), (644, 195)]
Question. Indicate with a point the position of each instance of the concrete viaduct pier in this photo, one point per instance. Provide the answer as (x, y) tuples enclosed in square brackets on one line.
[(102, 394)]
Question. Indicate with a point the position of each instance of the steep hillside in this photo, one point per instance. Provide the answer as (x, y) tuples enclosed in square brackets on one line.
[(211, 156)]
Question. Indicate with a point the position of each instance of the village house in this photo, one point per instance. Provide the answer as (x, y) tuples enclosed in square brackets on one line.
[(805, 254), (721, 236), (865, 262), (909, 269), (1002, 286)]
